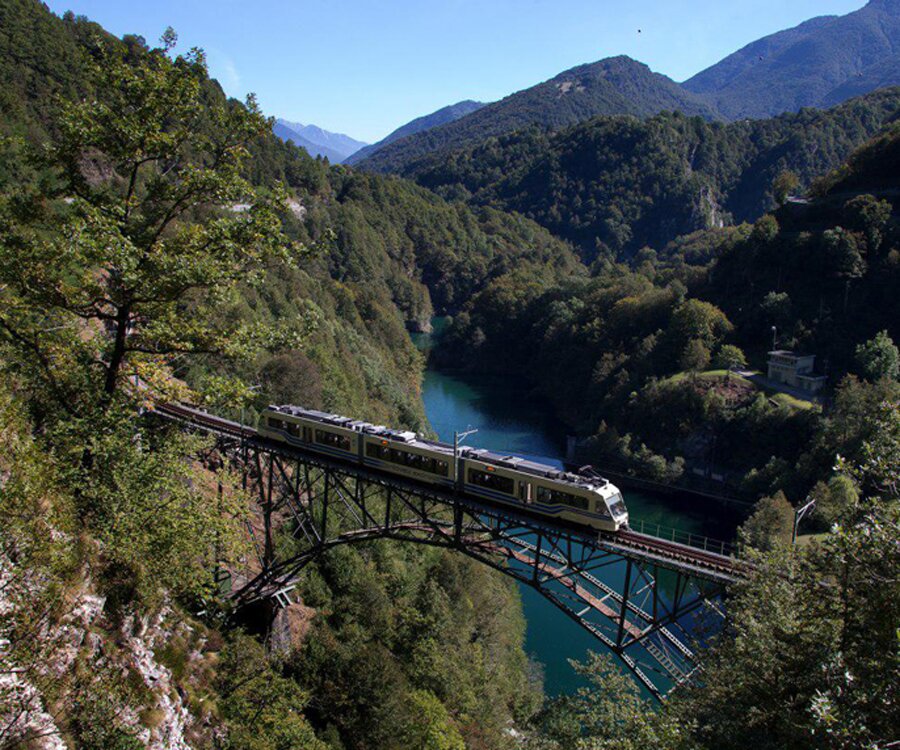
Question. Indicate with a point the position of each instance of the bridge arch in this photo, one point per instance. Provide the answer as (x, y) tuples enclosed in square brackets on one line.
[(640, 597)]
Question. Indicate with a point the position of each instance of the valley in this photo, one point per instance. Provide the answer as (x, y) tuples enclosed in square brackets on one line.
[(695, 281)]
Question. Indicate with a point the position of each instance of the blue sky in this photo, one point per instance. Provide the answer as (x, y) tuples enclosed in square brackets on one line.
[(365, 67)]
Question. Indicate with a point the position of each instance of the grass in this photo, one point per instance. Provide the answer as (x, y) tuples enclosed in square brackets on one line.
[(782, 399), (708, 375), (804, 540), (786, 399)]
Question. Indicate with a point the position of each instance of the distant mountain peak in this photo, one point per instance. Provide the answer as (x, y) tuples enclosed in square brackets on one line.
[(819, 63), (318, 141), (612, 86)]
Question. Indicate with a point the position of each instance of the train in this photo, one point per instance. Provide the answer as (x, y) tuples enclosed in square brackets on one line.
[(585, 498)]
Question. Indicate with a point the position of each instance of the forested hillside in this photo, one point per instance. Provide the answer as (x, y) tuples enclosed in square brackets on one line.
[(225, 259), (441, 116), (620, 183), (616, 351), (157, 241), (389, 253), (615, 86)]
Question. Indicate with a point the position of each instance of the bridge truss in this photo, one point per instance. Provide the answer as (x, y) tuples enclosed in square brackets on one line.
[(639, 596)]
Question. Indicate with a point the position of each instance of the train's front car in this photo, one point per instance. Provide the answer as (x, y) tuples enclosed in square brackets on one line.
[(615, 504)]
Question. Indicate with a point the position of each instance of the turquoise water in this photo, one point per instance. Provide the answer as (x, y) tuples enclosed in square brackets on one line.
[(510, 418)]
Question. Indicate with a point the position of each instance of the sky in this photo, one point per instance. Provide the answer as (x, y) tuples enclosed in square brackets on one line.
[(365, 67)]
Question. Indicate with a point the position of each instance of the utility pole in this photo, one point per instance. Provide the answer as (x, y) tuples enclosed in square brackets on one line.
[(774, 338), (252, 389), (458, 437), (798, 516)]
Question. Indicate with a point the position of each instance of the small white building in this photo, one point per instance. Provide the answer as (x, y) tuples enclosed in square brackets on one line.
[(796, 370)]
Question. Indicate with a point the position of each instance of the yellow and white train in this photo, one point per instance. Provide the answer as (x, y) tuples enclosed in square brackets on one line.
[(590, 501)]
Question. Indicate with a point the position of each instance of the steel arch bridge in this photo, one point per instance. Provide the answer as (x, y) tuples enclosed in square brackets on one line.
[(639, 595)]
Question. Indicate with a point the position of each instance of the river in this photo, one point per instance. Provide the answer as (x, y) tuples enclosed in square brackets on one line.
[(509, 418)]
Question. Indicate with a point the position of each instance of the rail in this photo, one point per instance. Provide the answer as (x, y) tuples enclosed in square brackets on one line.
[(698, 541), (654, 539)]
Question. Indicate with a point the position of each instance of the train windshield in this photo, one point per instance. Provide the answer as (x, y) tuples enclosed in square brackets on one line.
[(617, 505)]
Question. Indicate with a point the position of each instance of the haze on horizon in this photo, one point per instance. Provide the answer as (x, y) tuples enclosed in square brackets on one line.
[(357, 68)]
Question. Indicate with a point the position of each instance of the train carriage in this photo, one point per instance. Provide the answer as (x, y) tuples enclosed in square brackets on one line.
[(512, 480), (325, 433), (543, 489), (405, 454)]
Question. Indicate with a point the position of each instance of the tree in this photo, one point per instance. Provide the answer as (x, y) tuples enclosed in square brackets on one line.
[(772, 523), (878, 358), (610, 713), (868, 215), (784, 185), (695, 357), (776, 309), (429, 726), (142, 227), (262, 710), (118, 258), (836, 499), (730, 357), (845, 253), (697, 319), (765, 230), (811, 658)]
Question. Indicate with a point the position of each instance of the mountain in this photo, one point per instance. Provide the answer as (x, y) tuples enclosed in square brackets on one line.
[(426, 122), (626, 183), (316, 141), (614, 86), (821, 62), (313, 149)]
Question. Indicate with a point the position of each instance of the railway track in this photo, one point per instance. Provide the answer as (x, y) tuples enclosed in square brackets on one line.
[(663, 549)]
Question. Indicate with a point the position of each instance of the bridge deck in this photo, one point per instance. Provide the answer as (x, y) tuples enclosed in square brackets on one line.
[(646, 547)]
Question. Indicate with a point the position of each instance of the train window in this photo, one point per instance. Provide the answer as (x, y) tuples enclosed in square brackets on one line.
[(373, 450), (333, 439), (492, 481), (617, 504), (556, 497), (275, 424), (405, 458), (293, 429)]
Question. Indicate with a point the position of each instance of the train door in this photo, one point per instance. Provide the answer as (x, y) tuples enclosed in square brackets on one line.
[(525, 492)]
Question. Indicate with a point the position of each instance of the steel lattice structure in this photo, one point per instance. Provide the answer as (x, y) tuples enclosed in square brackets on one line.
[(639, 598)]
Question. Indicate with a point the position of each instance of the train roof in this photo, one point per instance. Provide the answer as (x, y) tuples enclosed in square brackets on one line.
[(479, 454)]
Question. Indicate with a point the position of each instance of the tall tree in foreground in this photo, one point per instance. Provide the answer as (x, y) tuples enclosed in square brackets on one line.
[(137, 232), (119, 257)]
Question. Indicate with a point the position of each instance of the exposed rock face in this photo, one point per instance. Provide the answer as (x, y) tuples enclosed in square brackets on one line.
[(296, 208), (82, 636), (174, 717), (709, 212), (290, 627)]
